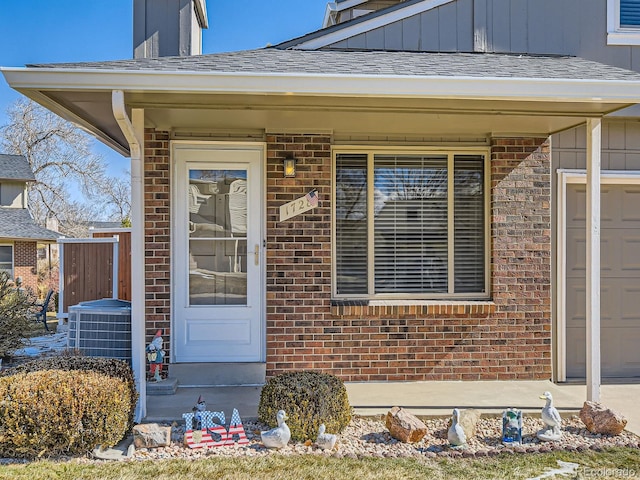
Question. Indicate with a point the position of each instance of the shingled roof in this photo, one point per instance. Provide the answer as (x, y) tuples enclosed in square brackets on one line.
[(18, 223), (15, 167), (373, 63)]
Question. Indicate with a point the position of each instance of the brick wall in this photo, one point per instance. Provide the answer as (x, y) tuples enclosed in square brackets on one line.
[(157, 238), (507, 338), (25, 261)]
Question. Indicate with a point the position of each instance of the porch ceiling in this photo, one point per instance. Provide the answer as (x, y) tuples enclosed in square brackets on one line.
[(433, 117)]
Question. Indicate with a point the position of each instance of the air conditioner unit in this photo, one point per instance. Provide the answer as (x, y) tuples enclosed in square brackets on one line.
[(101, 328)]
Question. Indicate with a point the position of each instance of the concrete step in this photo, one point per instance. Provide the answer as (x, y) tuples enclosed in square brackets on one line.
[(218, 374), (167, 386)]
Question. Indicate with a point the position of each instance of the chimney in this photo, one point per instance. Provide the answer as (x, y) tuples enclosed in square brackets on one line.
[(163, 28)]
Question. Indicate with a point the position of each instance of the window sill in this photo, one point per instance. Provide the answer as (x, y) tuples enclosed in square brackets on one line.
[(347, 308), (624, 37)]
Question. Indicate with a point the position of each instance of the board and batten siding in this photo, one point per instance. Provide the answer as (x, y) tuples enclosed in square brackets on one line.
[(443, 29), (565, 27), (620, 146)]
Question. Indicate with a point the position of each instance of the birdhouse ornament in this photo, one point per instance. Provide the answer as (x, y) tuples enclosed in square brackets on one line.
[(155, 356)]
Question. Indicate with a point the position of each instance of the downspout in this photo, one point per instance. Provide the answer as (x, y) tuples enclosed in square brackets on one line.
[(137, 244)]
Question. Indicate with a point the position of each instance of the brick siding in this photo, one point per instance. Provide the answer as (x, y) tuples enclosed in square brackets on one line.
[(25, 263), (508, 337), (157, 238)]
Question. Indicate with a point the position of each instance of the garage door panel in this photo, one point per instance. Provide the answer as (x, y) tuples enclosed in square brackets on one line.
[(620, 281), (576, 351), (629, 211)]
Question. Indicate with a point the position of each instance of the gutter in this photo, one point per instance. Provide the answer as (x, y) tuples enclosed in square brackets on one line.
[(137, 239), (327, 85)]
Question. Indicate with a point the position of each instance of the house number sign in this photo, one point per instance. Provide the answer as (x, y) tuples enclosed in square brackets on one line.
[(299, 205)]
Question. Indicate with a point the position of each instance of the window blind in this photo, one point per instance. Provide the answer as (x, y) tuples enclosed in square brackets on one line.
[(410, 224), (630, 13), (351, 224), (469, 220)]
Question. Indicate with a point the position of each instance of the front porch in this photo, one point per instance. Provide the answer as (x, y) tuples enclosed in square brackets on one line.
[(428, 399)]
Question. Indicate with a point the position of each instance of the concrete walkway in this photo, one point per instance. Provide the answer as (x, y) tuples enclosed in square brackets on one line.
[(421, 398)]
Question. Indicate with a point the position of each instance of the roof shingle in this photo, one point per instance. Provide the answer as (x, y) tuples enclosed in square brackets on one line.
[(18, 223), (374, 63), (15, 167)]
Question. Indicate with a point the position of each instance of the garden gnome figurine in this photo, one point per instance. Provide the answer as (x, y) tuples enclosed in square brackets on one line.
[(155, 355), (200, 407)]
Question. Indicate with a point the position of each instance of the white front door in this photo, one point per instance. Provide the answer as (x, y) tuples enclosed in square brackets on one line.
[(218, 253)]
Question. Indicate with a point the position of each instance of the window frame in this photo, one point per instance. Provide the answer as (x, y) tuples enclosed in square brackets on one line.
[(451, 152), (617, 35), (13, 258)]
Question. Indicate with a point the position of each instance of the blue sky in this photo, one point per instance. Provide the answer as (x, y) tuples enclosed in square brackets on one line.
[(49, 31)]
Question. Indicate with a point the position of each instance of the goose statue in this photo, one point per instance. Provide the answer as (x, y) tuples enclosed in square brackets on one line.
[(277, 437), (325, 441), (552, 420), (456, 435)]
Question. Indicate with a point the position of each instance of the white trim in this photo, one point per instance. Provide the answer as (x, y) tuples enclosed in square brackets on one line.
[(617, 35), (368, 25), (574, 177), (26, 80), (329, 15), (594, 152), (346, 4)]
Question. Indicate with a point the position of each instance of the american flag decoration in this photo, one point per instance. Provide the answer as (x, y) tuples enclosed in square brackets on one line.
[(236, 428), (312, 198), (208, 436), (198, 438)]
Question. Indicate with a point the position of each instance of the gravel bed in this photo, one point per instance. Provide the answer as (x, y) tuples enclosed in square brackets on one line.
[(368, 437)]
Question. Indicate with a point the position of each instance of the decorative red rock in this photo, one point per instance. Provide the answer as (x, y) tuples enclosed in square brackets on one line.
[(600, 419)]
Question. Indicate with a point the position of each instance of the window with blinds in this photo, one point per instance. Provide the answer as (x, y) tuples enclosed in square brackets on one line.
[(411, 225), (630, 13)]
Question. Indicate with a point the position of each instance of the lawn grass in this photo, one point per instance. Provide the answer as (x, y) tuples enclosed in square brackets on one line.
[(280, 467)]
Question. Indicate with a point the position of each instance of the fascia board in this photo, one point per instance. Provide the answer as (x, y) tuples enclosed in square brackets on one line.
[(364, 26), (201, 11), (345, 4), (387, 86)]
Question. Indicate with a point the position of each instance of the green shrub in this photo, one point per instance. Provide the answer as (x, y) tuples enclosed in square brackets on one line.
[(54, 412), (71, 362), (309, 399), (16, 308)]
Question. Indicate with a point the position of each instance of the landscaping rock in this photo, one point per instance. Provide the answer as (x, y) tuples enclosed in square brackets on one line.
[(405, 426), (468, 419), (601, 420), (151, 435)]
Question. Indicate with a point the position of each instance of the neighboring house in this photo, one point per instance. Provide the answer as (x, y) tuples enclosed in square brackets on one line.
[(20, 235), (448, 238)]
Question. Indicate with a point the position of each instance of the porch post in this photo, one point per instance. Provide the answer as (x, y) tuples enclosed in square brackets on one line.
[(594, 140)]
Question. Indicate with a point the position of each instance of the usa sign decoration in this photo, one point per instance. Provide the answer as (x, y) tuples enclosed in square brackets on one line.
[(213, 434)]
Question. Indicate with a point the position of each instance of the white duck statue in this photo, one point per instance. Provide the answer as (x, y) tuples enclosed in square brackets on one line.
[(277, 437), (456, 435), (325, 441), (551, 418)]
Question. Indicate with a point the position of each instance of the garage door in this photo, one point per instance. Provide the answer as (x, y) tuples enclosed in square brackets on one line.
[(620, 281)]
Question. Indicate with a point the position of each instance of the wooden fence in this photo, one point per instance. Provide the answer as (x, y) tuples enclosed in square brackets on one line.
[(88, 270)]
